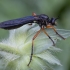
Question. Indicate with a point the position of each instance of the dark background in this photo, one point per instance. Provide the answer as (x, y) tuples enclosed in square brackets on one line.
[(11, 9)]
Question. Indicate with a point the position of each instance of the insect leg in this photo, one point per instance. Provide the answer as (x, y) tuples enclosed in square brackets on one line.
[(58, 33), (48, 36), (32, 46), (50, 26)]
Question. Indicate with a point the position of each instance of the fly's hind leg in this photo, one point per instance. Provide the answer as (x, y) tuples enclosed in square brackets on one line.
[(32, 45)]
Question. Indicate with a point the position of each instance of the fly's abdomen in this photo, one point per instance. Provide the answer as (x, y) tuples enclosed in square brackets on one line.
[(12, 24)]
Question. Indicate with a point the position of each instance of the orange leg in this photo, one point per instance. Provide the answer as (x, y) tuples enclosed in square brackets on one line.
[(32, 46), (50, 26), (48, 36)]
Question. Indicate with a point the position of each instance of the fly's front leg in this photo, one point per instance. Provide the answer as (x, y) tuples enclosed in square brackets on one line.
[(58, 33), (50, 26)]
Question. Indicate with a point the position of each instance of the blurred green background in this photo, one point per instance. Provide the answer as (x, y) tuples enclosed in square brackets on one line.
[(11, 9)]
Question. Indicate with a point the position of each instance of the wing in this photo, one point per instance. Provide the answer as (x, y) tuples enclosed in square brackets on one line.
[(16, 23)]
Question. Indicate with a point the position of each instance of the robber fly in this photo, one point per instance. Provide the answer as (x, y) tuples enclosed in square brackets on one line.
[(42, 20)]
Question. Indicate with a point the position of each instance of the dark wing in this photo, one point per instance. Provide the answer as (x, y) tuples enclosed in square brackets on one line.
[(15, 23)]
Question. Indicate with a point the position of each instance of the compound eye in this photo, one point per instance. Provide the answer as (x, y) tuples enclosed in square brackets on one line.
[(53, 21)]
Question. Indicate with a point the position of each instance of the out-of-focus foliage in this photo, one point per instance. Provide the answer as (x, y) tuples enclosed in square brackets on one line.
[(10, 9)]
